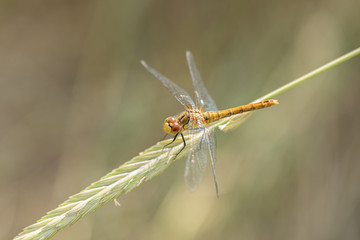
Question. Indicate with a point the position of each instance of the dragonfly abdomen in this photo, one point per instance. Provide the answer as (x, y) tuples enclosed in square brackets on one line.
[(212, 116)]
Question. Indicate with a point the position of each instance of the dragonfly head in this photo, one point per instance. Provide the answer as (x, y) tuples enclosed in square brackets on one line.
[(171, 125)]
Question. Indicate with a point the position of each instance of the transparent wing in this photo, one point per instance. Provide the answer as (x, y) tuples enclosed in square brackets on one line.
[(180, 94), (203, 97), (211, 140), (197, 158)]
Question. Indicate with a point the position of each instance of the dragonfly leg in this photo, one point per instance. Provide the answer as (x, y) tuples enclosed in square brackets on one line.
[(172, 140), (182, 136), (163, 137)]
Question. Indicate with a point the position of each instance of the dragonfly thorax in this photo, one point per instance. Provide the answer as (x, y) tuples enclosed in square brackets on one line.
[(171, 125)]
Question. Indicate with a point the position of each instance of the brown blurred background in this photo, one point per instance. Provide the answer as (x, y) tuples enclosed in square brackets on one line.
[(76, 103)]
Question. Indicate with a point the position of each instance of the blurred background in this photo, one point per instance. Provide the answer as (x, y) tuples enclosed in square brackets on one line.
[(75, 103)]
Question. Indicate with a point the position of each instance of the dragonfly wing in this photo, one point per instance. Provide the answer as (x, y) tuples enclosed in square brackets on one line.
[(211, 140), (197, 158), (203, 97), (180, 94)]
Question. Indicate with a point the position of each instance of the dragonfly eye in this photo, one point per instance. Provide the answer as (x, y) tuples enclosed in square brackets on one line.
[(175, 127), (171, 125), (171, 120)]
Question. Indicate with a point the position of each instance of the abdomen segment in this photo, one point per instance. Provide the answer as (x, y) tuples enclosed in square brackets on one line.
[(212, 116)]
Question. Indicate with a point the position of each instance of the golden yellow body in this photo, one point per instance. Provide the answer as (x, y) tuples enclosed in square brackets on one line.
[(174, 125)]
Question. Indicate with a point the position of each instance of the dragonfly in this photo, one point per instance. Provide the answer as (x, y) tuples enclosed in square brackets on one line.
[(195, 119)]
